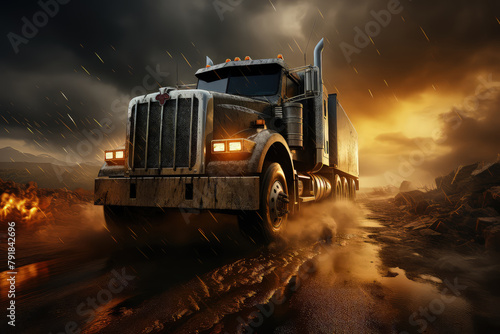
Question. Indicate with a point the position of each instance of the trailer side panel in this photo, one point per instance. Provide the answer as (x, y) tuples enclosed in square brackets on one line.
[(343, 139)]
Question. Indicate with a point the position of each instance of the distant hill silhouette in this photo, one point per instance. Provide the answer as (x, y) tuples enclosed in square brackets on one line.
[(45, 170)]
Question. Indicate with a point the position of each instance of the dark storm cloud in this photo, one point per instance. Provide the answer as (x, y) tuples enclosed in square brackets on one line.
[(474, 136), (467, 134), (131, 36)]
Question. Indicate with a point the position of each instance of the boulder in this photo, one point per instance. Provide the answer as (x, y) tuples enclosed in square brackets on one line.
[(406, 186), (421, 207), (439, 226), (485, 178), (491, 198), (410, 198), (456, 180), (492, 238), (485, 223)]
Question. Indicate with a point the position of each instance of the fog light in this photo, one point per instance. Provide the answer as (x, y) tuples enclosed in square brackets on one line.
[(109, 155), (119, 154)]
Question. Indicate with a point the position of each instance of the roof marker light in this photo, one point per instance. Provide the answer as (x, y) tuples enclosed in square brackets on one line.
[(280, 56), (248, 58), (237, 59), (228, 60)]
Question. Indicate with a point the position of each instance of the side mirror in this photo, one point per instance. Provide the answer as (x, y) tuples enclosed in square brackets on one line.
[(311, 79)]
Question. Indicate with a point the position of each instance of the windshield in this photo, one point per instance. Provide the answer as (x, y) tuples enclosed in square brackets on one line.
[(245, 81)]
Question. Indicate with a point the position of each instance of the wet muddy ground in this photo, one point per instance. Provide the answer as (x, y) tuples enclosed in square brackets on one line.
[(344, 269)]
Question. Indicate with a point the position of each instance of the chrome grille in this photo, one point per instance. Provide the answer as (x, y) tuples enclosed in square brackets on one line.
[(165, 137)]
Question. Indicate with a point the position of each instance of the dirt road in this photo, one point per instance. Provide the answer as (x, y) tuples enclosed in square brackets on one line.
[(343, 270)]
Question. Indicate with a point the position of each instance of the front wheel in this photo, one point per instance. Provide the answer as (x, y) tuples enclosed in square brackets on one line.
[(268, 223)]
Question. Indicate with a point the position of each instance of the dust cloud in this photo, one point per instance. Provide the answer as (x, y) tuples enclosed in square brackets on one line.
[(322, 222)]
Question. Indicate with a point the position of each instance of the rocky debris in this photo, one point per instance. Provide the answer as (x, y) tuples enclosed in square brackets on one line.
[(473, 178), (465, 206)]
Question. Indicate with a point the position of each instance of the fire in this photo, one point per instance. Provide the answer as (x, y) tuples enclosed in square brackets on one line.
[(23, 208)]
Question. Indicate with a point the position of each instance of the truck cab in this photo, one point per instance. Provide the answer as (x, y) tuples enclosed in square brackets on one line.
[(255, 138)]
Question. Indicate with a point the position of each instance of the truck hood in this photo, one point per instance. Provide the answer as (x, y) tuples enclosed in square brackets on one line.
[(234, 114)]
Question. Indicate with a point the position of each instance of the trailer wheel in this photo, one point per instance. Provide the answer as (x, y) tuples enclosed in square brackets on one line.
[(352, 193), (345, 189), (266, 225), (337, 188)]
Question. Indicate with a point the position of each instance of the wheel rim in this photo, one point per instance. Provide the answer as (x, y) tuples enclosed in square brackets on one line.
[(278, 204)]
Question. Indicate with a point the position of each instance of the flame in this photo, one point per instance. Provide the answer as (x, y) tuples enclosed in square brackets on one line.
[(25, 208)]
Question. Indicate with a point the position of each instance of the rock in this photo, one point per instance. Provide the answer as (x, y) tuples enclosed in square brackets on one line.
[(433, 208), (409, 198), (483, 212), (388, 239), (421, 207), (406, 186), (439, 226), (420, 224), (457, 179), (484, 223), (429, 233), (489, 172), (491, 198), (482, 168), (492, 238)]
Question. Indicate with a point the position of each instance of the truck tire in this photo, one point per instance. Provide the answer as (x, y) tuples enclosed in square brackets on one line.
[(267, 224), (345, 189), (352, 194), (338, 192)]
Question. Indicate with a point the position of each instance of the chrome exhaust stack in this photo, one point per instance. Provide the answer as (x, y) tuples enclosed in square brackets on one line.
[(318, 58)]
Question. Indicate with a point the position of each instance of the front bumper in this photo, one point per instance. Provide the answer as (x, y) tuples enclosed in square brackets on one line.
[(203, 193)]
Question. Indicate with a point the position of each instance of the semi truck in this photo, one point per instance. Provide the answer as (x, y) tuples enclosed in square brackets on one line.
[(254, 138)]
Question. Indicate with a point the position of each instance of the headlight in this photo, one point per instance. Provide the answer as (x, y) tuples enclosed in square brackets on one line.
[(219, 147), (232, 148), (235, 146), (115, 157)]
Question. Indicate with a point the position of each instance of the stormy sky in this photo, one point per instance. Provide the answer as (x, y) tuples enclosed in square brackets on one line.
[(419, 79)]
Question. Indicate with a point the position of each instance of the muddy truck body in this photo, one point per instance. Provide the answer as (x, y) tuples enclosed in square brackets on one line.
[(255, 139)]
